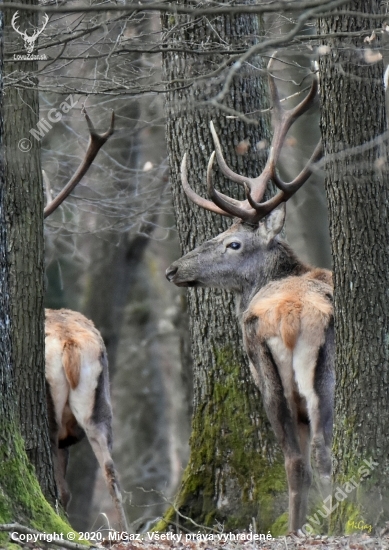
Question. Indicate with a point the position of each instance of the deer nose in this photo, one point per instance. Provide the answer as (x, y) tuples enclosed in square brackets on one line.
[(170, 272)]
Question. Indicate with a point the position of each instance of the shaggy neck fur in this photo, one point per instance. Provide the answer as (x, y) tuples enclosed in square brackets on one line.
[(279, 263)]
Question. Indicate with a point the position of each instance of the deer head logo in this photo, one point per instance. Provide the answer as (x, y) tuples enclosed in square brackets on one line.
[(29, 41)]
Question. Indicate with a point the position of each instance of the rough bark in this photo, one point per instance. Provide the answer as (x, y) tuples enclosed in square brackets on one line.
[(353, 114), (235, 471), (306, 225), (21, 498), (24, 218)]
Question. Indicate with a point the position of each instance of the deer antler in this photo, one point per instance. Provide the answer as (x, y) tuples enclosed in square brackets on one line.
[(36, 33), (96, 141), (13, 23), (252, 210)]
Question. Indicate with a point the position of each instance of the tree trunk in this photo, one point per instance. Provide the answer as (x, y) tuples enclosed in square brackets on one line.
[(353, 114), (21, 498), (24, 217), (235, 472)]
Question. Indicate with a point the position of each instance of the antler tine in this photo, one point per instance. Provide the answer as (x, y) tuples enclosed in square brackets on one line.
[(93, 134), (96, 141), (231, 206), (306, 103), (274, 96), (284, 118), (251, 210), (238, 208), (276, 102), (193, 196), (39, 31), (233, 176), (13, 23), (290, 188), (286, 189)]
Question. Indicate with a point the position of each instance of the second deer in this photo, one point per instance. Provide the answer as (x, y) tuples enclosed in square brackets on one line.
[(76, 369), (284, 307), (79, 401)]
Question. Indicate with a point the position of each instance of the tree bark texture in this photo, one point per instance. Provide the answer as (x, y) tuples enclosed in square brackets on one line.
[(24, 218), (235, 471), (353, 116), (21, 498)]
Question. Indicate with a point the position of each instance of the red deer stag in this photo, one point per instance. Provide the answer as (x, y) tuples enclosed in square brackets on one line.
[(77, 372), (284, 307)]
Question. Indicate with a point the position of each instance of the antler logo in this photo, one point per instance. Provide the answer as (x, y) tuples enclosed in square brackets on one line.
[(29, 41)]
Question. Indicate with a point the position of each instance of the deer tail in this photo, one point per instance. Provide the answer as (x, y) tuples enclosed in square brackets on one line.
[(290, 326), (71, 362)]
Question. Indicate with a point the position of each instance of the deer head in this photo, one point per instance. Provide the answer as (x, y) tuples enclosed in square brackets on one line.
[(29, 41), (285, 307), (251, 242)]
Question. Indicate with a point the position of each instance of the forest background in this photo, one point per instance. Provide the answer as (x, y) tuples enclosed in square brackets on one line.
[(175, 66)]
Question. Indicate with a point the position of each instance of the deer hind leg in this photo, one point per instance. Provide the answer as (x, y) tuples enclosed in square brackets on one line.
[(55, 411), (299, 474), (60, 462), (316, 382), (322, 417), (94, 414), (282, 413), (99, 436), (62, 466)]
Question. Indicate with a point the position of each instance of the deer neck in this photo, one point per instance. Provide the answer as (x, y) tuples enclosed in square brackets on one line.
[(278, 263)]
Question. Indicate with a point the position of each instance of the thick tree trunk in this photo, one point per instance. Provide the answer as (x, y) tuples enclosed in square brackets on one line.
[(235, 471), (21, 498), (353, 114), (24, 218)]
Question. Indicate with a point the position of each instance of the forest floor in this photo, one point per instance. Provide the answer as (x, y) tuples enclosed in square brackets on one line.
[(361, 541)]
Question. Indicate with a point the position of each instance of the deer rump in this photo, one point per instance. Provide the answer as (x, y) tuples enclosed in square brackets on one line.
[(78, 396), (289, 338)]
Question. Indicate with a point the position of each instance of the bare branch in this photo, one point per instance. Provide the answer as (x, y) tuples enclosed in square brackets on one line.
[(271, 7), (96, 141)]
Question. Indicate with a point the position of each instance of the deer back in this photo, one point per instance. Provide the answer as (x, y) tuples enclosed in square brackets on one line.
[(75, 361)]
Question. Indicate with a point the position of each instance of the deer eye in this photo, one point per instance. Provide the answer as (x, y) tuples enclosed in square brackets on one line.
[(234, 245)]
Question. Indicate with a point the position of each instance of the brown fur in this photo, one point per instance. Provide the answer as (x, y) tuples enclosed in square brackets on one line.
[(288, 334), (282, 306), (77, 376), (71, 362), (71, 326), (75, 333)]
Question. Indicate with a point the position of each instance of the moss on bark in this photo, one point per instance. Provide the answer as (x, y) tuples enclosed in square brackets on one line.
[(235, 471), (223, 431), (21, 498)]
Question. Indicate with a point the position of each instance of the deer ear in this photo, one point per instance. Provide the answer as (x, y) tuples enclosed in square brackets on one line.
[(273, 224)]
